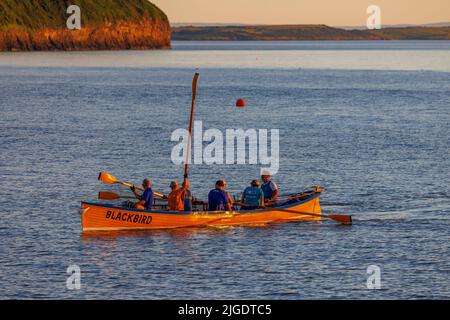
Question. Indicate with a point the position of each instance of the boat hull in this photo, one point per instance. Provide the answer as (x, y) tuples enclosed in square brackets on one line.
[(95, 216)]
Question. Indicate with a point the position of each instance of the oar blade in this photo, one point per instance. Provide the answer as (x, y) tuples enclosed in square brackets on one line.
[(106, 178), (342, 218), (194, 85), (105, 195)]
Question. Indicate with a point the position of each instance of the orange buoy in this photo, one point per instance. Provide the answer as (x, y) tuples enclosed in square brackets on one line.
[(240, 103)]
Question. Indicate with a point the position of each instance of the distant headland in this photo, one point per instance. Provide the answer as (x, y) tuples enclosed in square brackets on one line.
[(27, 25), (305, 32)]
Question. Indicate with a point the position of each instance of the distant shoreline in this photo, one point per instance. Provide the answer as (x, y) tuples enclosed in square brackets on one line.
[(304, 32)]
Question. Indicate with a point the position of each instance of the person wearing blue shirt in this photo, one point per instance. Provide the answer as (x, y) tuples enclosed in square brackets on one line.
[(269, 188), (253, 196), (146, 199), (218, 198)]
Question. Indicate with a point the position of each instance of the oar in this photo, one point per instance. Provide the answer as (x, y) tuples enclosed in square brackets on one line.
[(110, 179), (105, 195), (191, 123), (341, 218)]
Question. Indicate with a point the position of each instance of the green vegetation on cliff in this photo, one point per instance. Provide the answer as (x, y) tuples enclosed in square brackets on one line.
[(37, 14)]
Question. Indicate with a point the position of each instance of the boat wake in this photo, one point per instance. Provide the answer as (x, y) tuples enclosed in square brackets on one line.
[(418, 214), (393, 215)]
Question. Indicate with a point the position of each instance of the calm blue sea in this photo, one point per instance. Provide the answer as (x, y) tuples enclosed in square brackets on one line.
[(368, 120)]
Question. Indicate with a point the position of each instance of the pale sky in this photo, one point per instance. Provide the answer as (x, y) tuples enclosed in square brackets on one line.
[(330, 12)]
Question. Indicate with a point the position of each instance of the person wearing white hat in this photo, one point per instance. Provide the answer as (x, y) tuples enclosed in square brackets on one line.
[(269, 188)]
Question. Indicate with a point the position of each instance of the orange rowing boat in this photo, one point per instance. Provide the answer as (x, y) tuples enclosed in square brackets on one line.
[(96, 216)]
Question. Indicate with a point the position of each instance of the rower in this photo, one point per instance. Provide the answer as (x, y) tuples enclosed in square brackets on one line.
[(175, 197), (187, 196), (253, 196), (146, 199), (218, 198), (269, 188), (230, 199)]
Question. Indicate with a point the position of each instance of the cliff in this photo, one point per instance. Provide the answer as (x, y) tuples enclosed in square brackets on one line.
[(306, 32), (105, 24)]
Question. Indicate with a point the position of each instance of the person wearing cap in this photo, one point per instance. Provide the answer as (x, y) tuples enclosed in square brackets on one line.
[(253, 196), (269, 188), (146, 199), (175, 198), (218, 198)]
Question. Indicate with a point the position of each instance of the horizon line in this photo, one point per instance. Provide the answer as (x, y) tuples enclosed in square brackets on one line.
[(443, 23)]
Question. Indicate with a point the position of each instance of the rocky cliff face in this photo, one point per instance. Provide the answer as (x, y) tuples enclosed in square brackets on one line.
[(146, 34), (141, 27)]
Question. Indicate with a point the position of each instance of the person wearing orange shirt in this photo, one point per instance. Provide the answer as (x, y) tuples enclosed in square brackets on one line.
[(176, 196)]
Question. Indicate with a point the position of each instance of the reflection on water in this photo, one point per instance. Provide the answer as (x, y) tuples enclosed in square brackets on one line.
[(185, 233)]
